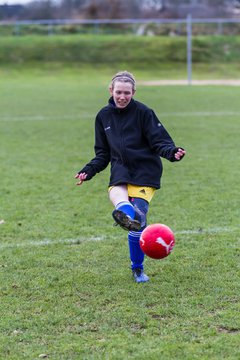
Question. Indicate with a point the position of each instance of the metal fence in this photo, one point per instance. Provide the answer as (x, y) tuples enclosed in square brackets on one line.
[(134, 26)]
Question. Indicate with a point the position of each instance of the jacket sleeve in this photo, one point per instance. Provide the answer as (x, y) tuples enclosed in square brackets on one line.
[(158, 138), (102, 152)]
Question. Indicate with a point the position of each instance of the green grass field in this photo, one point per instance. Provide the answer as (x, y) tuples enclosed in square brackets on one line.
[(66, 290)]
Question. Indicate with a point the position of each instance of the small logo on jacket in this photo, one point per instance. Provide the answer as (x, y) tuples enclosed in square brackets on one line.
[(107, 128)]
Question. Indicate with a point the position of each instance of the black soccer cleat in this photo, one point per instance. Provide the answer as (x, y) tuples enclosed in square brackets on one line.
[(125, 221)]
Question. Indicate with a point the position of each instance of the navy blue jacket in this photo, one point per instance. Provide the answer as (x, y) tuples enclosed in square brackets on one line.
[(133, 140)]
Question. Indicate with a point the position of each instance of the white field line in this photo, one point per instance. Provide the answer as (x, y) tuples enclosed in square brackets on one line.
[(201, 114), (225, 82), (45, 117), (47, 242), (200, 231), (92, 116), (51, 242)]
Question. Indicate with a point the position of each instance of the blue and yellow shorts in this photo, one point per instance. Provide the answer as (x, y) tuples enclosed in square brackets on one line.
[(142, 192)]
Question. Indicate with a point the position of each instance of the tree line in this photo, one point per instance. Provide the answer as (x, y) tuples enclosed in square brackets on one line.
[(117, 9)]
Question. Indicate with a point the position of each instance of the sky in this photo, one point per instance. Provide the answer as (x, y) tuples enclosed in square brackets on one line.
[(12, 2)]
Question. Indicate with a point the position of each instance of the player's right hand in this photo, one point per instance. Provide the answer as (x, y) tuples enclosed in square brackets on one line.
[(81, 177)]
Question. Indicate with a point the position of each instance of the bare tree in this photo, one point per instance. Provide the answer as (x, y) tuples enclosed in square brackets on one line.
[(112, 9), (68, 8), (36, 10)]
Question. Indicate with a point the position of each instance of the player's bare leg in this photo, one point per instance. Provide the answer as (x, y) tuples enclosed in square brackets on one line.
[(124, 212)]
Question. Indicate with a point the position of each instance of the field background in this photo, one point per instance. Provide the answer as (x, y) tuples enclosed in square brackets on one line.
[(212, 56), (65, 284)]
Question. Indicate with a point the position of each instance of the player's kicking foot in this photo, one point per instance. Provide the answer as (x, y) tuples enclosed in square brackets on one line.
[(125, 221), (139, 276)]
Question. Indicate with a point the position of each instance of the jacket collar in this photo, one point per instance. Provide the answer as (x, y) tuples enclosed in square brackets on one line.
[(113, 107)]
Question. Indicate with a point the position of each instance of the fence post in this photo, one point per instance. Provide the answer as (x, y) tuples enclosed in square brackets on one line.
[(16, 30), (189, 48), (50, 29)]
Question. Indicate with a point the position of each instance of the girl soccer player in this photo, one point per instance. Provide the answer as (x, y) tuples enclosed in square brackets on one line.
[(129, 135)]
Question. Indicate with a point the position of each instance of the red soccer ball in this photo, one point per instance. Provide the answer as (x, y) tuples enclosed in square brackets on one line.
[(157, 241)]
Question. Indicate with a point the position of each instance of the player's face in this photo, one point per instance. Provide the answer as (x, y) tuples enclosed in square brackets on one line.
[(122, 93)]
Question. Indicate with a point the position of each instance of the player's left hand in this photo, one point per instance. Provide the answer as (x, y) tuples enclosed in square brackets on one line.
[(179, 154)]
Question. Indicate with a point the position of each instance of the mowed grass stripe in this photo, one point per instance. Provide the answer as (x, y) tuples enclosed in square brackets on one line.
[(85, 116)]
